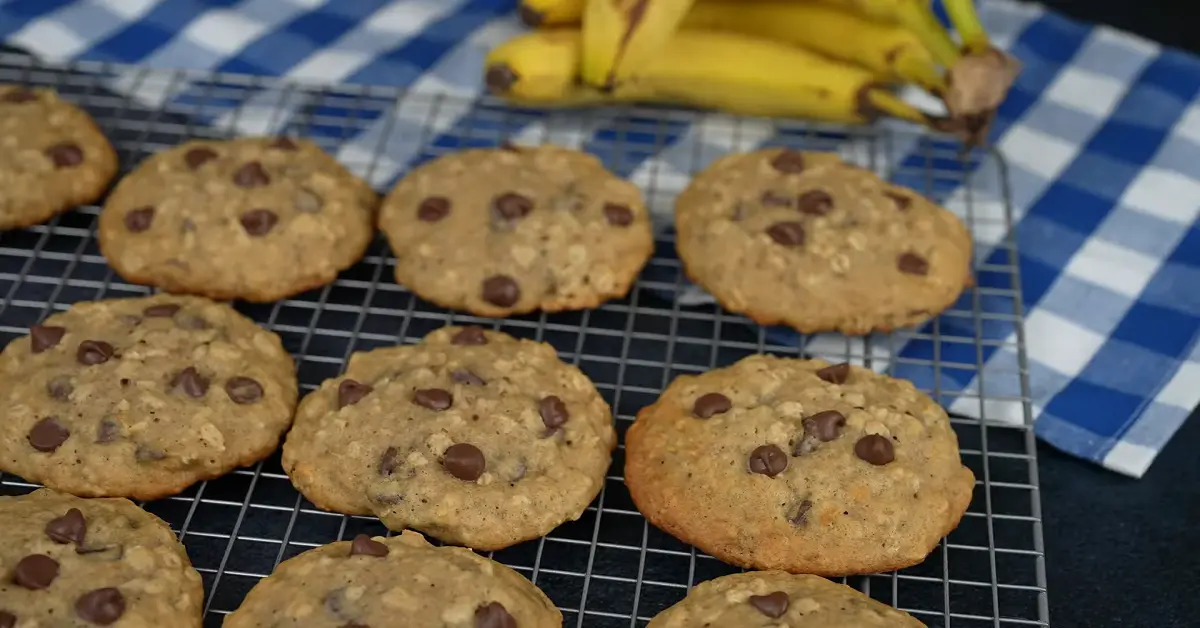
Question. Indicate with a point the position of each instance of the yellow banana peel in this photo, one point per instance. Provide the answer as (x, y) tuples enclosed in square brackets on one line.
[(620, 36), (542, 13), (890, 51)]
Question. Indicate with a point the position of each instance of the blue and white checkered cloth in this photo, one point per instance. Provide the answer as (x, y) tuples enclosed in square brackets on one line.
[(1101, 133)]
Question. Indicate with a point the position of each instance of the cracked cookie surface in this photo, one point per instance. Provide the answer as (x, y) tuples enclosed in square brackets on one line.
[(400, 580), (806, 240), (142, 397), (92, 562), (776, 599), (54, 158), (470, 436), (799, 465), (512, 230), (258, 219)]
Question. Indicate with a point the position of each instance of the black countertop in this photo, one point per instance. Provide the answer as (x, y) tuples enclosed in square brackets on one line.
[(1123, 552)]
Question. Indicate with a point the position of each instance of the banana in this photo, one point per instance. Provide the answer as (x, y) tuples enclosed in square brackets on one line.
[(725, 71), (915, 15), (540, 13), (620, 36), (889, 50), (981, 79)]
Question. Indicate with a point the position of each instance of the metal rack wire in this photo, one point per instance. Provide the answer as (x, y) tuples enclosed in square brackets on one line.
[(610, 568)]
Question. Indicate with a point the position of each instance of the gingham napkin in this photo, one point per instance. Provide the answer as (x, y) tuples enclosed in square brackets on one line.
[(1101, 135)]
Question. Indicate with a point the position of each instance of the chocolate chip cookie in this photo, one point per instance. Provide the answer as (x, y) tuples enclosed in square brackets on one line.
[(512, 230), (806, 240), (141, 397), (799, 465), (258, 219), (471, 436), (776, 599), (53, 157), (92, 562), (396, 581)]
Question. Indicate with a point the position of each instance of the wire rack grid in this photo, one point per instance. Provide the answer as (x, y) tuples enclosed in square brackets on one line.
[(610, 568)]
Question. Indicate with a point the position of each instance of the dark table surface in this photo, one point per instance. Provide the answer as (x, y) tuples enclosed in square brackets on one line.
[(1123, 552)]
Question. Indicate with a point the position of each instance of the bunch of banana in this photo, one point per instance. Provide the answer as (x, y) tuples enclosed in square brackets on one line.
[(831, 60)]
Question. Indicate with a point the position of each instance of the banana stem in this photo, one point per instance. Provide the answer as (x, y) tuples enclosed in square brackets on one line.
[(917, 16), (966, 21), (922, 72)]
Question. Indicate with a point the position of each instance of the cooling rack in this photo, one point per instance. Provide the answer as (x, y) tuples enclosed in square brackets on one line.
[(610, 568)]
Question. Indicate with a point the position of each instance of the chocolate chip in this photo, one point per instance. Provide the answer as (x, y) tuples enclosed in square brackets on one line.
[(191, 322), (284, 143), (772, 199), (251, 175), (19, 95), (65, 155), (140, 219), (197, 157), (902, 202), (102, 606), (165, 310), (60, 387), (825, 425), (336, 603), (773, 605), (710, 404), (618, 215), (433, 209), (788, 162), (243, 390), (501, 291), (912, 264), (47, 435), (351, 392), (768, 460), (363, 545), (466, 378), (146, 453), (434, 399), (42, 337), (835, 374), (787, 233), (511, 206), (469, 336), (799, 515), (493, 615), (108, 431), (553, 412), (875, 449), (7, 619), (93, 352), (191, 382), (35, 571), (389, 461), (307, 202), (815, 203), (259, 222), (464, 461), (69, 528)]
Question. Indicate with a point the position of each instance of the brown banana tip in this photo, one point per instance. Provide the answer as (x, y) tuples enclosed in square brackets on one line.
[(530, 16), (500, 78), (863, 105)]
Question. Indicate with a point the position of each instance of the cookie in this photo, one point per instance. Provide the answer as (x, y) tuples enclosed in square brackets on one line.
[(401, 580), (141, 397), (259, 219), (54, 158), (508, 231), (92, 562), (470, 436), (775, 599), (799, 465), (808, 241)]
